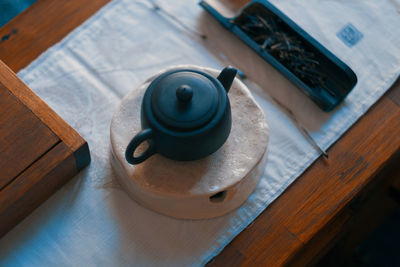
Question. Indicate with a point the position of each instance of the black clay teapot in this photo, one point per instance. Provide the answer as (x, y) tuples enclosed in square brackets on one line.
[(185, 115)]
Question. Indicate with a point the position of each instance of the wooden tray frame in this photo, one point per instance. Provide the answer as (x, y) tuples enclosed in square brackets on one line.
[(49, 171)]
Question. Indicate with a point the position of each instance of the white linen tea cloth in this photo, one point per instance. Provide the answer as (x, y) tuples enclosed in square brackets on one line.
[(91, 221)]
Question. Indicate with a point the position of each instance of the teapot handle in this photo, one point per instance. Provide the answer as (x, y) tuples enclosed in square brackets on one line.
[(144, 135)]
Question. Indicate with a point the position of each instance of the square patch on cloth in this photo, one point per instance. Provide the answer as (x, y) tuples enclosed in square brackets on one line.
[(350, 35)]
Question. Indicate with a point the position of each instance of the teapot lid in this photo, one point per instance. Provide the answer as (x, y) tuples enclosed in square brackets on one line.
[(185, 99)]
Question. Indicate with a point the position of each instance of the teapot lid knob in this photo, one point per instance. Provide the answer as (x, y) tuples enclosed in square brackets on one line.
[(184, 93)]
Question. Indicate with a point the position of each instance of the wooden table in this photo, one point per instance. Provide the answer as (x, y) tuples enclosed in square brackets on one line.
[(328, 209)]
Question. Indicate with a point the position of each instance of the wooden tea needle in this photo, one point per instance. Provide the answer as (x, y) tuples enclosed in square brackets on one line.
[(301, 128)]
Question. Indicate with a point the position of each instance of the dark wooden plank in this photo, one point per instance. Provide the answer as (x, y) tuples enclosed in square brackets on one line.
[(353, 163), (369, 210), (395, 187), (35, 185), (324, 240), (266, 242), (23, 137), (43, 24), (394, 94), (233, 258)]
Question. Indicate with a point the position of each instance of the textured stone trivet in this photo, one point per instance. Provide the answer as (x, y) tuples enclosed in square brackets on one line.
[(198, 189)]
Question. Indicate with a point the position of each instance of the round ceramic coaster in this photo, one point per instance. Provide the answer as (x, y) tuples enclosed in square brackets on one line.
[(198, 189)]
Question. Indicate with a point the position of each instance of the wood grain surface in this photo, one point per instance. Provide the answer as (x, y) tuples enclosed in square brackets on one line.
[(23, 137), (39, 108), (43, 24), (45, 176), (306, 221), (371, 206)]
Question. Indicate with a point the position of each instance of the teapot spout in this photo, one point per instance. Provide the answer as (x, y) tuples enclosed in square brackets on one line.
[(226, 77)]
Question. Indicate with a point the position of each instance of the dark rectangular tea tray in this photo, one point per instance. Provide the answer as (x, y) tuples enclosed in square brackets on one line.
[(287, 47)]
